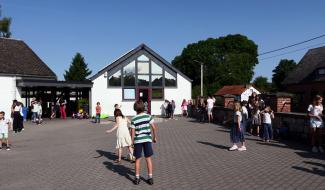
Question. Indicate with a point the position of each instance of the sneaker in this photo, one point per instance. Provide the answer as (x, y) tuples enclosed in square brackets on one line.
[(314, 150), (234, 147), (150, 181), (243, 148), (136, 181), (321, 150), (8, 148)]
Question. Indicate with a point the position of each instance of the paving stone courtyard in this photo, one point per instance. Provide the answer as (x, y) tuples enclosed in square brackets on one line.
[(77, 154)]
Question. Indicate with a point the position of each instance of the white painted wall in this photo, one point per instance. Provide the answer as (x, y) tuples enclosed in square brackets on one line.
[(247, 93), (110, 96), (183, 91), (8, 92)]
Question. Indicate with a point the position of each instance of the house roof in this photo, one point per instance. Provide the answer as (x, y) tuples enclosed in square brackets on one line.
[(17, 59), (232, 90), (131, 53), (312, 60)]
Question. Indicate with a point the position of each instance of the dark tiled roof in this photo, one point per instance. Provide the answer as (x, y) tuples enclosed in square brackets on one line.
[(134, 51), (312, 60), (231, 90), (16, 58)]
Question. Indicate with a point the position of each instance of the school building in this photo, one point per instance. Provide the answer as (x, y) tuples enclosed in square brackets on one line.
[(23, 76), (139, 74)]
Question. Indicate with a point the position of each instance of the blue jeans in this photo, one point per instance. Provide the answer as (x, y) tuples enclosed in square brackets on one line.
[(268, 131), (34, 116), (97, 118), (237, 135)]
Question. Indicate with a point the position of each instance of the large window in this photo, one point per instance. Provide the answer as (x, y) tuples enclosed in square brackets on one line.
[(156, 80), (129, 94), (170, 80), (157, 94), (115, 79), (143, 67), (129, 74), (156, 69), (142, 71), (143, 80)]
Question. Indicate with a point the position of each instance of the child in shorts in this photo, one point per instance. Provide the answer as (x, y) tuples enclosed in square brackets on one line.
[(142, 125), (4, 129)]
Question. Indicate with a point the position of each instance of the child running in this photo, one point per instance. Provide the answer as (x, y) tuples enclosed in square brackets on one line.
[(237, 130), (4, 130), (142, 125), (268, 115), (122, 134), (316, 123)]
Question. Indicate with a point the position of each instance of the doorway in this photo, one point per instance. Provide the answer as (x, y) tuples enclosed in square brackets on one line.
[(144, 95)]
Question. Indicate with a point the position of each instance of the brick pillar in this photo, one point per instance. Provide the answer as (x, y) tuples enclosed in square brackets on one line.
[(283, 104)]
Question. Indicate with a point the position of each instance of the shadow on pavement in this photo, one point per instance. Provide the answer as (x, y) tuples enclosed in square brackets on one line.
[(317, 169), (214, 145), (116, 168)]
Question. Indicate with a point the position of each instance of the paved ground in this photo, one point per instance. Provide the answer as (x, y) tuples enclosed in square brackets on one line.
[(79, 155)]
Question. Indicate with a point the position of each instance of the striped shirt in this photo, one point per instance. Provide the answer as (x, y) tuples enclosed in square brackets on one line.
[(141, 123)]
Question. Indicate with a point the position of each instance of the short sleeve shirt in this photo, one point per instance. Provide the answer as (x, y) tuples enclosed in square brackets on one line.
[(210, 103), (4, 126), (141, 123), (315, 110), (238, 114)]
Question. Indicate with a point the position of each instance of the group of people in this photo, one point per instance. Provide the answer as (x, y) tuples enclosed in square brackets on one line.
[(60, 106), (137, 135), (37, 111), (243, 119), (16, 123), (169, 109), (204, 108)]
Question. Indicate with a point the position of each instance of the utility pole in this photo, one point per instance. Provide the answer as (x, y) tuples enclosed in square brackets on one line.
[(201, 75), (201, 79)]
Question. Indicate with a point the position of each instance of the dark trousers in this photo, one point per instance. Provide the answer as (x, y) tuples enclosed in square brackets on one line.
[(97, 118), (267, 131), (17, 122)]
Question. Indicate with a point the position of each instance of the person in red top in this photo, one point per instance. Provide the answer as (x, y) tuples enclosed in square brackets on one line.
[(98, 111)]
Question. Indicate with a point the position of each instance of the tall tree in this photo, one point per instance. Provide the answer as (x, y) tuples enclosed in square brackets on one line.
[(5, 23), (281, 71), (262, 84), (78, 70), (227, 60)]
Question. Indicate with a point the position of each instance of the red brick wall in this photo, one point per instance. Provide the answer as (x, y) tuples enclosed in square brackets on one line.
[(228, 102), (283, 104)]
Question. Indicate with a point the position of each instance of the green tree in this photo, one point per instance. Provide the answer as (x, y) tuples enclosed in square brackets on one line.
[(5, 23), (281, 72), (227, 60), (262, 84), (78, 70)]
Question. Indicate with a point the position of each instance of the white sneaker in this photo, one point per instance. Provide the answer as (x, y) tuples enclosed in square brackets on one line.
[(243, 148), (314, 150), (234, 147), (321, 150)]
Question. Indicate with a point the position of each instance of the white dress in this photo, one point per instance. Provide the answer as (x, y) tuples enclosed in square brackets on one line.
[(123, 134)]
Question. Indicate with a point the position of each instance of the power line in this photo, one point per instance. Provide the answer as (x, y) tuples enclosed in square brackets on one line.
[(292, 51), (292, 45)]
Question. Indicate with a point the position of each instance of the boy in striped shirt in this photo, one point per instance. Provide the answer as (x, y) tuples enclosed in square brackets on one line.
[(141, 126)]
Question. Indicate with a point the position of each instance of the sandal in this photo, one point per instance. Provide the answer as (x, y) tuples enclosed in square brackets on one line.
[(117, 161)]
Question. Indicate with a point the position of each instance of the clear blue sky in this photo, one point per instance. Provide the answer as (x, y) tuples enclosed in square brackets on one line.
[(102, 30)]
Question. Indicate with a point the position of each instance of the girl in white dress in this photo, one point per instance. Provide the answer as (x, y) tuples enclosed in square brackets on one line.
[(122, 134)]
